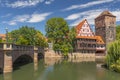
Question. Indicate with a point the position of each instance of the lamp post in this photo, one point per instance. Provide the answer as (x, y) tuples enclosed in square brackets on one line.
[(6, 34)]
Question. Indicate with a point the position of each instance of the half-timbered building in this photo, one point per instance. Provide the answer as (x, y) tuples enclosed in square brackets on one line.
[(86, 40)]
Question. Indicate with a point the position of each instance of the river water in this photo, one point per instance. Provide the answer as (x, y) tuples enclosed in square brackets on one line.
[(57, 69)]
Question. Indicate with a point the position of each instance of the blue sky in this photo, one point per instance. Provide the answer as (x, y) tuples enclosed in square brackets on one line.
[(35, 13)]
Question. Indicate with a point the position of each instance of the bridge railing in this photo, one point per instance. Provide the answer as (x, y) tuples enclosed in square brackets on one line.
[(10, 46), (5, 46), (41, 49), (22, 47), (1, 46)]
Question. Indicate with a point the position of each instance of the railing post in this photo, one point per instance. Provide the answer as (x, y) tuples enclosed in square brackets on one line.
[(7, 58)]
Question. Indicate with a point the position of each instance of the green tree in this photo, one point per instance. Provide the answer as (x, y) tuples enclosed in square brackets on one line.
[(13, 36), (113, 56), (57, 30), (27, 36), (22, 41), (72, 36), (118, 32), (40, 39)]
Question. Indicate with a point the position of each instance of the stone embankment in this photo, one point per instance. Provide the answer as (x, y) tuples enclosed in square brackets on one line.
[(80, 55), (51, 53)]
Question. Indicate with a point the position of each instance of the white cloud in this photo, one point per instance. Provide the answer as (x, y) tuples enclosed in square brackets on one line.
[(24, 3), (117, 14), (87, 5), (90, 16), (12, 23), (73, 16), (49, 2), (38, 17), (7, 15), (33, 18), (21, 18)]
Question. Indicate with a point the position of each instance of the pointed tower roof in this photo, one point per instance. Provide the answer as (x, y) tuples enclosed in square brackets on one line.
[(106, 13)]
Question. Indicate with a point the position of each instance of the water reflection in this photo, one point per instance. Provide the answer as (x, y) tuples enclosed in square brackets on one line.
[(35, 66), (52, 61), (81, 60), (8, 76), (61, 69)]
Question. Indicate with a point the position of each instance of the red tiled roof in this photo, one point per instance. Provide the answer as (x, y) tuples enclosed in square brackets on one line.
[(78, 27), (2, 35), (98, 38)]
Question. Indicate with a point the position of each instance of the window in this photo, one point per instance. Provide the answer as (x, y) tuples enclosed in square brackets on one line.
[(83, 30), (101, 46), (88, 30), (83, 25), (97, 45)]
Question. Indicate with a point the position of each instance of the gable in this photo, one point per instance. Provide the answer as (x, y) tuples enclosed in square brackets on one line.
[(83, 29)]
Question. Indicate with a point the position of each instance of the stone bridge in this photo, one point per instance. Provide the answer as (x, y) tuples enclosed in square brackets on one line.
[(12, 53)]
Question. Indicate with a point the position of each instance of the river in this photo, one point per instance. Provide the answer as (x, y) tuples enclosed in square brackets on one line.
[(57, 69)]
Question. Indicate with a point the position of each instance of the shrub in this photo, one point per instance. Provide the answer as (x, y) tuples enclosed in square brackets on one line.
[(113, 56)]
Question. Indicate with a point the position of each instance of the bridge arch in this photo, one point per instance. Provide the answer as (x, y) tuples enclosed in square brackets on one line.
[(1, 70), (40, 55), (22, 60)]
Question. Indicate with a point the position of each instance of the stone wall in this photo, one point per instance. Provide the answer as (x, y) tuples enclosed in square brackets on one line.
[(51, 53), (105, 26), (17, 53), (82, 55), (1, 60)]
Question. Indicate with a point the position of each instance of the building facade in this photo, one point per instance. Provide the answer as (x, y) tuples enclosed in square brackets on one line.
[(105, 32), (105, 26), (86, 40)]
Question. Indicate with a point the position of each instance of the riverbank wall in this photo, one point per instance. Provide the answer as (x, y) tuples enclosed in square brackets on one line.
[(51, 53)]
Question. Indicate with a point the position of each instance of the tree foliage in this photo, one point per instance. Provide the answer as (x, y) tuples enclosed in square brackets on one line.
[(113, 53), (113, 56), (27, 36), (57, 30), (72, 36), (118, 32)]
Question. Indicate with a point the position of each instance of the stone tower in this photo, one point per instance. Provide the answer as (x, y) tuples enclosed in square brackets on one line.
[(105, 26)]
